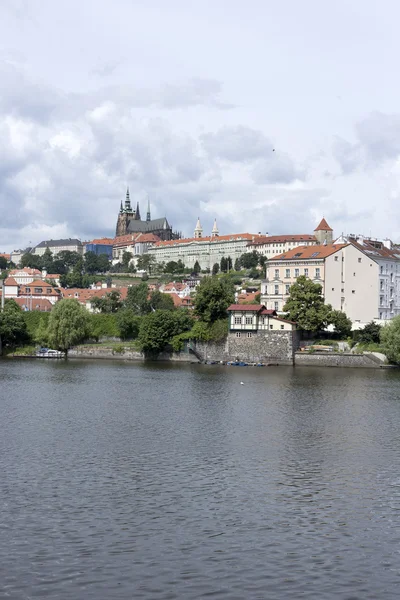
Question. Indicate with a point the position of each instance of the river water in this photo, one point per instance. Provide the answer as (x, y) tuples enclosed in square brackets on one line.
[(129, 481)]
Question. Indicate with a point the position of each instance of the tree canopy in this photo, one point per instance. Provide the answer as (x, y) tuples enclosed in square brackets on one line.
[(213, 296), (110, 303), (69, 324), (341, 322), (306, 305), (159, 327), (13, 329), (138, 299), (390, 340)]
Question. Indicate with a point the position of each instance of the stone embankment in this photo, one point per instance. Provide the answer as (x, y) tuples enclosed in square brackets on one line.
[(335, 359)]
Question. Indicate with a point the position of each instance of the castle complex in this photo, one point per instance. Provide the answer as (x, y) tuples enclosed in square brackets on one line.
[(129, 221)]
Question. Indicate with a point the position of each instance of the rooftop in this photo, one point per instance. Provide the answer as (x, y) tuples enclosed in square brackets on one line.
[(323, 226), (273, 239), (308, 252), (221, 238)]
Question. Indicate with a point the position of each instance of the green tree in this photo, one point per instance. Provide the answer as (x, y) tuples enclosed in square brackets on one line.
[(69, 258), (341, 323), (160, 301), (196, 267), (250, 260), (126, 259), (159, 327), (128, 324), (110, 303), (215, 268), (171, 267), (47, 260), (370, 334), (3, 263), (12, 325), (90, 263), (224, 265), (33, 261), (69, 324), (213, 296), (306, 305), (237, 265), (59, 267), (390, 340), (103, 263), (146, 262), (137, 299)]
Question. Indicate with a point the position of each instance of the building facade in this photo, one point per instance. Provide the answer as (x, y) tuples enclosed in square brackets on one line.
[(348, 276), (57, 246), (129, 222), (99, 246)]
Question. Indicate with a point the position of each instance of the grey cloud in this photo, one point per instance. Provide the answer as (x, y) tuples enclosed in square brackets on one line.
[(278, 169), (237, 144), (349, 156)]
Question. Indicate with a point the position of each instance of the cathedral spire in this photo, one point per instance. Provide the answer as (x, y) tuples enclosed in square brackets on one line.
[(128, 207), (148, 216), (137, 215), (121, 210)]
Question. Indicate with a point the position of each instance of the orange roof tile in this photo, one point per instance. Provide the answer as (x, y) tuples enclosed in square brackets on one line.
[(102, 241), (41, 304), (224, 238), (246, 307), (309, 252), (323, 226), (279, 239), (10, 281)]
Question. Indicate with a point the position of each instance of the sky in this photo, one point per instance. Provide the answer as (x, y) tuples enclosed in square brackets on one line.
[(264, 115)]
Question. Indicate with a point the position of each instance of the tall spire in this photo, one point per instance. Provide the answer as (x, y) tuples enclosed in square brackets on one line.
[(137, 215), (198, 230), (128, 207), (215, 232), (148, 216), (121, 210)]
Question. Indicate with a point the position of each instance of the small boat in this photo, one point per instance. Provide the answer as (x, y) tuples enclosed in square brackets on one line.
[(49, 353), (237, 363)]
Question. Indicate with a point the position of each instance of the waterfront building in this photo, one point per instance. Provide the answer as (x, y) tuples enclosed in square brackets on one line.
[(57, 246), (348, 276), (129, 222), (272, 245), (247, 319), (31, 292), (387, 256), (206, 250)]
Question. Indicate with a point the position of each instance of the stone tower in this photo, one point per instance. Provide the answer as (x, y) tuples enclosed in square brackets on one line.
[(125, 213), (198, 230), (215, 231), (324, 233)]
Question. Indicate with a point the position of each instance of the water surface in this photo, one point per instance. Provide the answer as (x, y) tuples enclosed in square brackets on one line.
[(121, 480)]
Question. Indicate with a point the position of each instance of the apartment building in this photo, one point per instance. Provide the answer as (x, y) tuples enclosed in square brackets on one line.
[(56, 246), (348, 276)]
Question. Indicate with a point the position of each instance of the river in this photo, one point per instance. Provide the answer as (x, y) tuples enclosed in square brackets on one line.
[(128, 481)]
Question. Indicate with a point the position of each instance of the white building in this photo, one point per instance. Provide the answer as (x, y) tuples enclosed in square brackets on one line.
[(246, 319), (25, 275), (135, 243), (387, 256), (205, 250), (56, 246), (348, 276)]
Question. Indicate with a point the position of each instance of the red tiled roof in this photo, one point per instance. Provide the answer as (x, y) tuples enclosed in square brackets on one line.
[(247, 297), (246, 307), (308, 252), (10, 281), (41, 304), (26, 271), (102, 241), (147, 237), (6, 256), (268, 311), (279, 239), (323, 226)]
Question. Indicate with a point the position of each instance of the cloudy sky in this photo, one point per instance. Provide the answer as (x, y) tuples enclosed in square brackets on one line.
[(266, 115)]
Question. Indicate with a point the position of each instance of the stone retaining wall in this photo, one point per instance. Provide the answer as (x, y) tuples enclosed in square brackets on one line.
[(334, 359), (127, 354)]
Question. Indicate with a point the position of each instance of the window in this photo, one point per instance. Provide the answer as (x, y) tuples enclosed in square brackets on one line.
[(306, 272), (380, 315), (276, 305), (381, 300), (354, 274), (38, 290), (287, 273), (249, 334), (271, 326), (317, 273), (336, 258), (287, 289), (381, 270), (49, 290), (333, 289), (238, 334), (353, 291), (238, 320), (28, 290), (276, 290), (249, 320), (342, 290), (296, 272), (298, 254), (314, 254), (359, 260), (276, 273), (282, 327)]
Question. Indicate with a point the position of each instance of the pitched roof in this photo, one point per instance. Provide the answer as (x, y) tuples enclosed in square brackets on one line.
[(6, 256), (40, 304), (10, 281), (101, 241), (273, 239), (374, 252), (56, 243), (308, 252), (147, 237), (268, 311), (148, 226), (25, 271), (221, 238), (323, 226), (246, 307)]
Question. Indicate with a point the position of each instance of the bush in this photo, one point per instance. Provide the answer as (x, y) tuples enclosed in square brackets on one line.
[(35, 320), (104, 326)]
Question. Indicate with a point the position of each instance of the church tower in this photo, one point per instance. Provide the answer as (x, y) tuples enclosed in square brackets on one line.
[(125, 212), (215, 231), (148, 216), (324, 233), (198, 230)]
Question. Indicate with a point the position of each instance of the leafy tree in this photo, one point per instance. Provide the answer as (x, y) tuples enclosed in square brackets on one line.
[(69, 324), (390, 340), (159, 327), (90, 263), (262, 261), (257, 298), (138, 299), (196, 267), (58, 267), (160, 301), (171, 267), (69, 258), (215, 268), (110, 303), (223, 265), (126, 259), (254, 273), (370, 334), (146, 262), (249, 260), (103, 263), (229, 263), (47, 260), (128, 324), (306, 305), (33, 261), (12, 324), (341, 323), (3, 263), (180, 266), (213, 296), (237, 265)]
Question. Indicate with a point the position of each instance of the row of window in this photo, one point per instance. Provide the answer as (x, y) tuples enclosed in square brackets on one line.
[(38, 290), (249, 334), (297, 273)]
